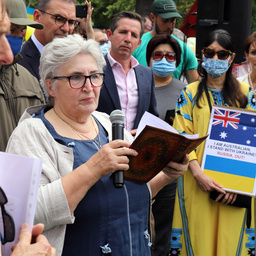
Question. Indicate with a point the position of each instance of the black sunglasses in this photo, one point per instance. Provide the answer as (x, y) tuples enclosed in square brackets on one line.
[(222, 54), (169, 56), (8, 223)]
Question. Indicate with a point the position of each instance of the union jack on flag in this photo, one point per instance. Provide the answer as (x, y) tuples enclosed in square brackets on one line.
[(230, 150), (226, 118), (238, 126)]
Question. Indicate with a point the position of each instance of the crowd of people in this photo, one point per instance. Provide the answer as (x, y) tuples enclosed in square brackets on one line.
[(58, 89)]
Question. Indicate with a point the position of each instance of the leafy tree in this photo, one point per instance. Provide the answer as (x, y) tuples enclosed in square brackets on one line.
[(104, 10), (183, 6), (31, 3)]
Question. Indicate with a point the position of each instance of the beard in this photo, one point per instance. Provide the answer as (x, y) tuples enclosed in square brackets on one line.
[(158, 31)]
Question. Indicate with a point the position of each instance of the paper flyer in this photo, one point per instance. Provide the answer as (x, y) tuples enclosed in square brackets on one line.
[(19, 183)]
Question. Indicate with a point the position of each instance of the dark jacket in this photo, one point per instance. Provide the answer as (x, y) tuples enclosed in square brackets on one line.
[(109, 98), (30, 58)]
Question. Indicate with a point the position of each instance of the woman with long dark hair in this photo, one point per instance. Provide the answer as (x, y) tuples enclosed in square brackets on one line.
[(202, 226)]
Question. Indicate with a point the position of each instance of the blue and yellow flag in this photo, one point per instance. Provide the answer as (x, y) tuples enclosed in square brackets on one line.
[(30, 30), (230, 150)]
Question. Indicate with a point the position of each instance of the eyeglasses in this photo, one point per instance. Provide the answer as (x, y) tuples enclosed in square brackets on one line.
[(60, 20), (101, 42), (8, 223), (78, 81), (169, 56), (222, 54)]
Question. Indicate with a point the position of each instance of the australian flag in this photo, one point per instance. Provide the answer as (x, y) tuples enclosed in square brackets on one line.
[(230, 149), (233, 126)]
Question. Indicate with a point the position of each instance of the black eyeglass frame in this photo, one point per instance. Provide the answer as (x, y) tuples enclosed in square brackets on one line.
[(56, 16), (8, 222), (173, 54), (69, 77), (228, 53)]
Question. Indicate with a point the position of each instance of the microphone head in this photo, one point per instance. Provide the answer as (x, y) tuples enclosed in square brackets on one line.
[(117, 117)]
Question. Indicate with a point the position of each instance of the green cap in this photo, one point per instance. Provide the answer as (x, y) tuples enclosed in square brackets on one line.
[(17, 12), (166, 9)]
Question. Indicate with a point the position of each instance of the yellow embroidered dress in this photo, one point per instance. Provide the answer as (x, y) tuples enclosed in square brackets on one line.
[(201, 226)]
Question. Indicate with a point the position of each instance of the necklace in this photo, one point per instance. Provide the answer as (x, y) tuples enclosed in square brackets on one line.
[(250, 83), (80, 134)]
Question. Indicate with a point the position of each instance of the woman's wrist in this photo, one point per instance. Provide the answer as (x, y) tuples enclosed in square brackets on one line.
[(195, 168), (93, 174)]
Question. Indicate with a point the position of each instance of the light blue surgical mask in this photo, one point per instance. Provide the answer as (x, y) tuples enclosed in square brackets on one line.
[(163, 67), (104, 48), (215, 67), (15, 43)]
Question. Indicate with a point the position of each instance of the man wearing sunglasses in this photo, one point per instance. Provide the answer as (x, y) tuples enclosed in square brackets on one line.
[(59, 20), (164, 15)]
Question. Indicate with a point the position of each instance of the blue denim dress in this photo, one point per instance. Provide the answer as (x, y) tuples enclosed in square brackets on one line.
[(108, 220)]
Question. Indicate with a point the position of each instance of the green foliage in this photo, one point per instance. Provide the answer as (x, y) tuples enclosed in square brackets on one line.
[(31, 3), (104, 10), (183, 6), (253, 19)]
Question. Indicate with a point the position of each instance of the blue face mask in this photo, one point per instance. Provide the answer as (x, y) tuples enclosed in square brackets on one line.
[(104, 48), (215, 67), (163, 67), (15, 43)]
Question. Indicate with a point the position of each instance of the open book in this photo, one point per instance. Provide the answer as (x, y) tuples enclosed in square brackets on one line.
[(157, 144), (19, 182)]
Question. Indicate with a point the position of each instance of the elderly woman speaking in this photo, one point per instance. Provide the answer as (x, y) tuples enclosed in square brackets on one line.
[(83, 213)]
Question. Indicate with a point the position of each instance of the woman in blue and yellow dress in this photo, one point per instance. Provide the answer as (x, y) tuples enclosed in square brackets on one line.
[(202, 226)]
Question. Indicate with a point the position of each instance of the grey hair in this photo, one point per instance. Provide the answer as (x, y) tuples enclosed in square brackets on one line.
[(43, 4), (61, 50)]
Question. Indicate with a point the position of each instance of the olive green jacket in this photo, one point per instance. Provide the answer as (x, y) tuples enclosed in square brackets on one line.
[(18, 90)]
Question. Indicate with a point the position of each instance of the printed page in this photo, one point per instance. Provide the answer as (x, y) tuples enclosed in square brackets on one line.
[(154, 121), (19, 181)]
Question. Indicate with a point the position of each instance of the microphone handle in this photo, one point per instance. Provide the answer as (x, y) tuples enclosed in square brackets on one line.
[(118, 133)]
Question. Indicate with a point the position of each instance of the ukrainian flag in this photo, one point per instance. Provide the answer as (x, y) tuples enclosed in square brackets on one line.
[(30, 30), (231, 173), (30, 12)]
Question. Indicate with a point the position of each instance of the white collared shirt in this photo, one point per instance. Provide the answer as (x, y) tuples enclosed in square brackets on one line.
[(38, 45)]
